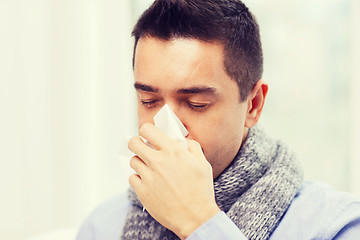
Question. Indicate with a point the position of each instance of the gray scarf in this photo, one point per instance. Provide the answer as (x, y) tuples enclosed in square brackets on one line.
[(254, 191)]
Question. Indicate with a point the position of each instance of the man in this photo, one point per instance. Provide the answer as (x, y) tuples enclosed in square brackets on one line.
[(204, 59)]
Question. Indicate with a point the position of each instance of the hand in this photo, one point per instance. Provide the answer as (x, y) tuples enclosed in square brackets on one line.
[(174, 184)]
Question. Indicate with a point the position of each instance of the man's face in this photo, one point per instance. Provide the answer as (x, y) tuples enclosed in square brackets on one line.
[(189, 76)]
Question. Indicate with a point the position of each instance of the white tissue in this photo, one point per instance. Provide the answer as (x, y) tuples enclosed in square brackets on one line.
[(167, 122)]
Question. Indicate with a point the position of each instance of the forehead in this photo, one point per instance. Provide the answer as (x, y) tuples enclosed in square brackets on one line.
[(180, 47), (179, 62)]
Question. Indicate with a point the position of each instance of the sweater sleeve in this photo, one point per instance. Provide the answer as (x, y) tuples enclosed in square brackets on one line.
[(218, 227)]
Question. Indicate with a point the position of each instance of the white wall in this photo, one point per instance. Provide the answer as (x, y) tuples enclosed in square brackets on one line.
[(66, 100), (355, 99), (310, 61)]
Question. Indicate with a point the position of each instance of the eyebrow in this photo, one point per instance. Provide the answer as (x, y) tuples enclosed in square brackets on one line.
[(194, 90), (191, 90), (146, 88)]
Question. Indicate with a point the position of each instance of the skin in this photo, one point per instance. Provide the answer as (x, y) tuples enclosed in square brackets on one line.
[(175, 184)]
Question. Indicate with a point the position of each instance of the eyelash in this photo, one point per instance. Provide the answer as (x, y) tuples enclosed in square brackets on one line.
[(199, 108), (195, 107), (148, 103)]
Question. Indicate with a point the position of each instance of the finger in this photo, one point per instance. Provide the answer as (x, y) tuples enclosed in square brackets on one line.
[(139, 166), (137, 146), (195, 148), (155, 137), (135, 182)]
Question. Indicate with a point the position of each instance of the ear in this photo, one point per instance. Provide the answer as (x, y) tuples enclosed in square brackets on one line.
[(256, 102)]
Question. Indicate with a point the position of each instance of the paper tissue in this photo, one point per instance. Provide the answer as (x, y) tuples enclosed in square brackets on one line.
[(167, 122)]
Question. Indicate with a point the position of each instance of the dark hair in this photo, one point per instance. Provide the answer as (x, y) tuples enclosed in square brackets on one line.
[(226, 21)]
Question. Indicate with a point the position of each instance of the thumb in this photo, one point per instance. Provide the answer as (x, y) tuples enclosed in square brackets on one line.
[(195, 148)]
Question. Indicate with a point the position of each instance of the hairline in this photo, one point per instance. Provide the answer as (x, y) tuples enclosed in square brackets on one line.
[(172, 38)]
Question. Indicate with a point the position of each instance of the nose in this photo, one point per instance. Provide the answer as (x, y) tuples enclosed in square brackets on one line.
[(172, 105), (175, 108), (177, 111)]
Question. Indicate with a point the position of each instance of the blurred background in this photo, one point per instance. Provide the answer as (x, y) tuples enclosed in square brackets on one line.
[(66, 101)]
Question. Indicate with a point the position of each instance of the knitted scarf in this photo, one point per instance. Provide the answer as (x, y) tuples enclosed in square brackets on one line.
[(254, 191)]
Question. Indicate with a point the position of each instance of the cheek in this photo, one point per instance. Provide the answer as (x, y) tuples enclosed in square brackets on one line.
[(207, 131), (221, 146), (220, 138)]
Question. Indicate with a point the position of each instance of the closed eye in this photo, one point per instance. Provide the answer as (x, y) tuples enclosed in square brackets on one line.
[(197, 106), (149, 103)]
